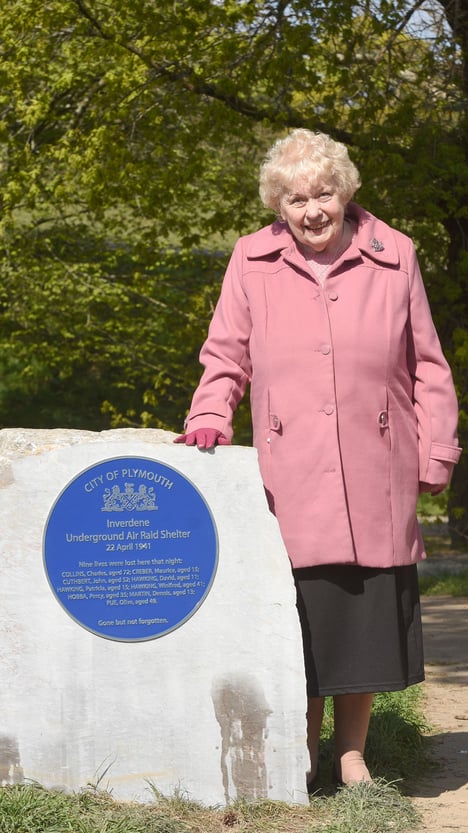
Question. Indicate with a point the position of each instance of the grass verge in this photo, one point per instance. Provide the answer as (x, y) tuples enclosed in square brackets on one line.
[(365, 808), (396, 747), (444, 584), (395, 750), (370, 808)]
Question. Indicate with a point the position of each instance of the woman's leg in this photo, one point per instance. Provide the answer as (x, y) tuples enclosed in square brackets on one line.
[(314, 724), (351, 718)]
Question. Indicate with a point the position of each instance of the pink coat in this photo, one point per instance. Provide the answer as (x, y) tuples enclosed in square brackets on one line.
[(352, 399)]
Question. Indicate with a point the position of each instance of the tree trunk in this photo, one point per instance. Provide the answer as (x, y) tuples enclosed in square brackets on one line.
[(458, 505), (457, 351)]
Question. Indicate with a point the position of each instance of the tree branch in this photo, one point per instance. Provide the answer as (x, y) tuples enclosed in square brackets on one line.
[(193, 83)]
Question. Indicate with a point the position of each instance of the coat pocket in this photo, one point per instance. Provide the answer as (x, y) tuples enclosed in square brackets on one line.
[(383, 421), (275, 423)]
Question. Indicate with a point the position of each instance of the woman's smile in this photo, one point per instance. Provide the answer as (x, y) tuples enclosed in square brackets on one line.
[(316, 229), (314, 214)]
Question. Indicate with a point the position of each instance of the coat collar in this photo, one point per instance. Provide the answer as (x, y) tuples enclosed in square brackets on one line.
[(374, 239)]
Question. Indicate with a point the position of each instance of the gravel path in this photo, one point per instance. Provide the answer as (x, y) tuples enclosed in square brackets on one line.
[(442, 796)]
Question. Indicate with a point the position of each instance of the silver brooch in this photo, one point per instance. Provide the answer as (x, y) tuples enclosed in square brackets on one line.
[(377, 245)]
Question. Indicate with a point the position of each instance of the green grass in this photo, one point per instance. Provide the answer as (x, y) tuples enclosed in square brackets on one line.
[(444, 584), (370, 808), (432, 508), (396, 751), (364, 808), (437, 542), (396, 745), (31, 809)]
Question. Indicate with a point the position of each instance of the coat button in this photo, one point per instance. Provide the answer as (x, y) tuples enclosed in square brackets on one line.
[(383, 419), (329, 409), (325, 349), (333, 296)]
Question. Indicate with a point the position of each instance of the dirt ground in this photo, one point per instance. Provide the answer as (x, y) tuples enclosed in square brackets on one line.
[(441, 797)]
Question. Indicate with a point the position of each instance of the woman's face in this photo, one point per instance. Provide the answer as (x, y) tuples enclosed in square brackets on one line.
[(314, 214)]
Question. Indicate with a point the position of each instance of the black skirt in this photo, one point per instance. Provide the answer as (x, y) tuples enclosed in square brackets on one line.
[(361, 628)]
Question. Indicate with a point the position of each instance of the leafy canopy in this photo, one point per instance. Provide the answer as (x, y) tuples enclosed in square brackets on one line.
[(131, 135)]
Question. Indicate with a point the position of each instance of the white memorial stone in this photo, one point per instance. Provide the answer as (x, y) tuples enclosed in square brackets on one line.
[(215, 709)]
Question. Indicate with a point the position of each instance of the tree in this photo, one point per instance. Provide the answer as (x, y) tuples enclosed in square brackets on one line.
[(128, 128)]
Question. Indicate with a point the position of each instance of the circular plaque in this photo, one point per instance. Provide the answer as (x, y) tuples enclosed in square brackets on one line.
[(130, 549)]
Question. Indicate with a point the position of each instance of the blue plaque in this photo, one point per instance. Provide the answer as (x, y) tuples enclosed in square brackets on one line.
[(130, 549)]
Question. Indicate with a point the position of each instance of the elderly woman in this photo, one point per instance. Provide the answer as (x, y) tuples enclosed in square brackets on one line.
[(354, 413)]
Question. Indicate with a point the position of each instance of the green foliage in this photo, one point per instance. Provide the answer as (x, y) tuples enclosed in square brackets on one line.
[(131, 134), (432, 507), (445, 584), (95, 323)]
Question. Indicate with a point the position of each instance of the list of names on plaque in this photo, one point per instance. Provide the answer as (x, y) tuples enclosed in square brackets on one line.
[(130, 549)]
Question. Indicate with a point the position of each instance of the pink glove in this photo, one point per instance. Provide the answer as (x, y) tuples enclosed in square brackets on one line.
[(433, 488), (440, 473), (203, 438)]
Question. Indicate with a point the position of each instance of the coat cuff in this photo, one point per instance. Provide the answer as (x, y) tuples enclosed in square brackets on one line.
[(448, 453), (439, 472), (216, 421)]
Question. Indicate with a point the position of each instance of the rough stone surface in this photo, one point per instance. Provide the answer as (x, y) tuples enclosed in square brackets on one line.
[(77, 708)]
